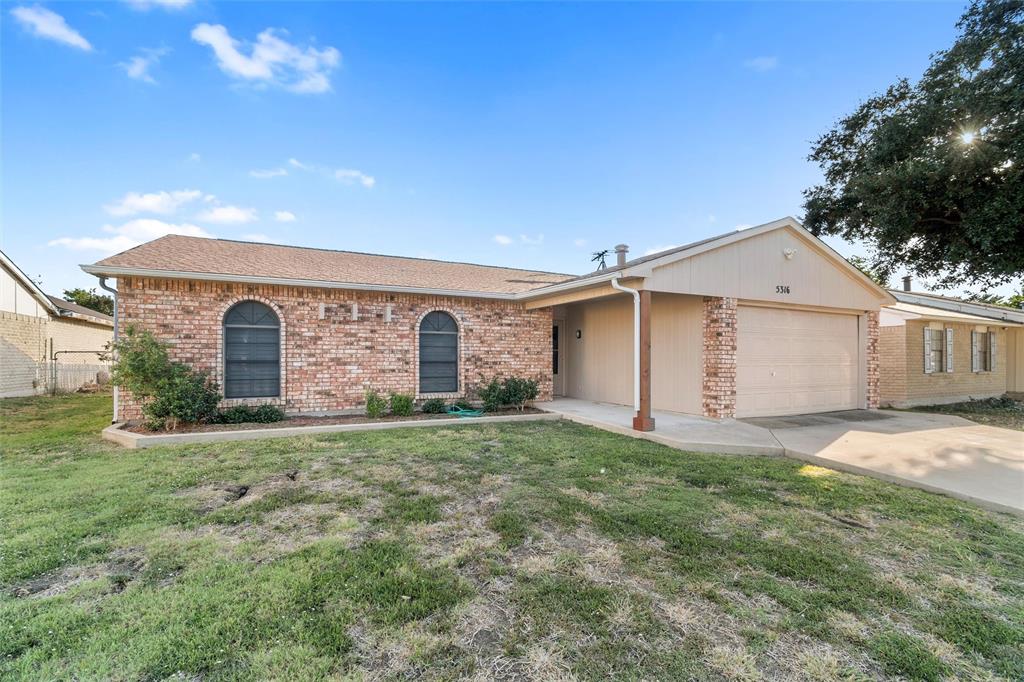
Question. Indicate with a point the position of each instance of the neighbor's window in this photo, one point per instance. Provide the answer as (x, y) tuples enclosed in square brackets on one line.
[(938, 349), (439, 353), (252, 351), (984, 350)]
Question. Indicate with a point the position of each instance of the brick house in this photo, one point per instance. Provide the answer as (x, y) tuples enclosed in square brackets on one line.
[(936, 349), (763, 321)]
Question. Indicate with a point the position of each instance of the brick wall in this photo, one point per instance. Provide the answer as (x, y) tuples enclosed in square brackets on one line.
[(892, 365), (919, 388), (719, 351), (873, 388), (328, 363)]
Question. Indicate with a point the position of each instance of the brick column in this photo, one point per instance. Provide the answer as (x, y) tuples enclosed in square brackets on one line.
[(719, 385), (872, 393)]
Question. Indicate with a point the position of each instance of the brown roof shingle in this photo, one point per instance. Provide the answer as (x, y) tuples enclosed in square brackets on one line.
[(248, 259)]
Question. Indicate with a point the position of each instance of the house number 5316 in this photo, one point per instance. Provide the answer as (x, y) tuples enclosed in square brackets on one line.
[(782, 289)]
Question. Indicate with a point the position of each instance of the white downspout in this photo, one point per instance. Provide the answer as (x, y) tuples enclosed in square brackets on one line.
[(103, 285), (636, 338)]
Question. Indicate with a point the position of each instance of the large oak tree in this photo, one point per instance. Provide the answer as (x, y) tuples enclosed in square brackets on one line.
[(931, 175)]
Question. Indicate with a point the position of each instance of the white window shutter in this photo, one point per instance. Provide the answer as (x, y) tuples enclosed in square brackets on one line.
[(974, 351), (949, 349), (928, 369), (992, 350)]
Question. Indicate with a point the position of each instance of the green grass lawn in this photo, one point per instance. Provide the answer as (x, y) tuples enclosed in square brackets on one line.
[(1003, 412), (543, 550)]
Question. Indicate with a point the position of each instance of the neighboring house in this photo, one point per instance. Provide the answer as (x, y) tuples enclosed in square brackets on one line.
[(46, 342), (763, 321), (935, 349)]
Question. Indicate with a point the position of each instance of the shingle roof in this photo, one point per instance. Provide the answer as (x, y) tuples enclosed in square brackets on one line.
[(175, 253), (80, 310)]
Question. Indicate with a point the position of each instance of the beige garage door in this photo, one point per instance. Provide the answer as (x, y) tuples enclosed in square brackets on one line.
[(793, 362)]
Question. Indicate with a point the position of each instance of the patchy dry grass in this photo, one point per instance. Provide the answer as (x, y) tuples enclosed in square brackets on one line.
[(528, 551)]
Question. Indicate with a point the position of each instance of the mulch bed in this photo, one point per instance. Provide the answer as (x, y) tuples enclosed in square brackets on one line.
[(317, 421)]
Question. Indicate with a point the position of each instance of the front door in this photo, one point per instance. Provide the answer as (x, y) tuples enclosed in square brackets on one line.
[(557, 359)]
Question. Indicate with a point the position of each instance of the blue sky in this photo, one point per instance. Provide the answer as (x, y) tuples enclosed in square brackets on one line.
[(526, 135)]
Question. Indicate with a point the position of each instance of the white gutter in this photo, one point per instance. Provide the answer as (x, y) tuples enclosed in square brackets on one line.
[(636, 338), (103, 285)]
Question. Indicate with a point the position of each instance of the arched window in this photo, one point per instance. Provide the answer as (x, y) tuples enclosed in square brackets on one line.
[(439, 353), (252, 351)]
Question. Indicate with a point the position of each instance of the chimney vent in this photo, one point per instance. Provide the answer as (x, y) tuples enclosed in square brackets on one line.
[(906, 283), (621, 250)]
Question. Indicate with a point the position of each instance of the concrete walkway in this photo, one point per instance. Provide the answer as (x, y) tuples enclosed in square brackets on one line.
[(939, 453)]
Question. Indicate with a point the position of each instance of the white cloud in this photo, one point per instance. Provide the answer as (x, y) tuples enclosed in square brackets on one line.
[(228, 215), (295, 163), (502, 239), (762, 64), (658, 249), (138, 66), (742, 226), (43, 23), (579, 242), (129, 235), (164, 4), (163, 203), (264, 174), (271, 60), (350, 176), (284, 216), (531, 241), (195, 157), (256, 237)]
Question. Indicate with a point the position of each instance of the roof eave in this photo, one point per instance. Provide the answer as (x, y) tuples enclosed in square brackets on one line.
[(113, 271)]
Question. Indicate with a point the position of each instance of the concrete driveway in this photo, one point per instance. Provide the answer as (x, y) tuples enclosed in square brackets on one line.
[(941, 453), (935, 452)]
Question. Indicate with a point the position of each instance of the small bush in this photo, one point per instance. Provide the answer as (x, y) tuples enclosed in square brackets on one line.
[(517, 392), (401, 405), (244, 414), (376, 404), (492, 394), (171, 392), (513, 391), (462, 404), (434, 406), (186, 396)]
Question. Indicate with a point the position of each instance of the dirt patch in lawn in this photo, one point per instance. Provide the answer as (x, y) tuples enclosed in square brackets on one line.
[(289, 422), (121, 567)]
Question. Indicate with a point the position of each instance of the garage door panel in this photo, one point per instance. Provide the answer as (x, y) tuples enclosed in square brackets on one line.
[(792, 362)]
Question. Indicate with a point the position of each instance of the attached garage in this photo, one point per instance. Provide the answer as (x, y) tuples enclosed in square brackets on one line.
[(767, 321), (795, 361)]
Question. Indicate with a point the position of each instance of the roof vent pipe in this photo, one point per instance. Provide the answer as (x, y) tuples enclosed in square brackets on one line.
[(906, 283), (620, 254)]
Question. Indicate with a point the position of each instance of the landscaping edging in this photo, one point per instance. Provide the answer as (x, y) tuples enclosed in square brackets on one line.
[(134, 441)]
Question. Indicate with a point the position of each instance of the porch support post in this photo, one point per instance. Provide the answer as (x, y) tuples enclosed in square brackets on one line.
[(643, 420)]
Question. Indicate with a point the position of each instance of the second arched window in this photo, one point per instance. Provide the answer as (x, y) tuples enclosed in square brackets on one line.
[(439, 353)]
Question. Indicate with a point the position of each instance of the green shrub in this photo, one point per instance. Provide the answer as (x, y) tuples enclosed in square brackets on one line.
[(185, 396), (513, 391), (245, 414), (517, 392), (462, 404), (170, 392), (434, 406), (401, 405), (376, 405), (492, 394)]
